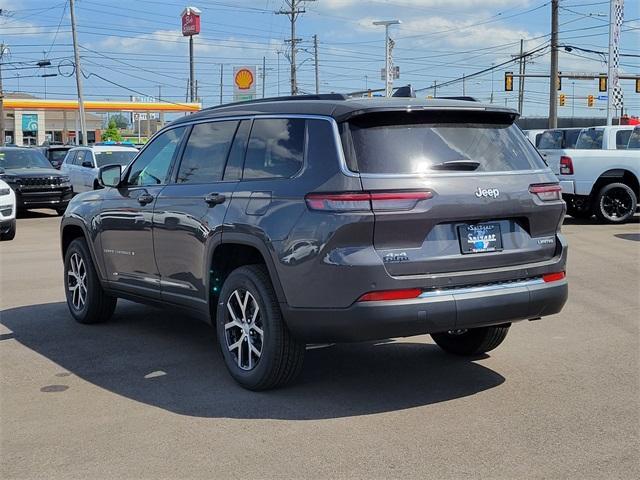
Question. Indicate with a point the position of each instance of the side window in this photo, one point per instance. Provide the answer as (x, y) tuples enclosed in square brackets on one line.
[(236, 155), (276, 148), (622, 138), (70, 158), (80, 157), (206, 152), (152, 165)]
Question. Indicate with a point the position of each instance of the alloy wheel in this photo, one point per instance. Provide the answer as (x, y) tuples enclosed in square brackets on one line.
[(77, 281), (616, 203), (243, 329)]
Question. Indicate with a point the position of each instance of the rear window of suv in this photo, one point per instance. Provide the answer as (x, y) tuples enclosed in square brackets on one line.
[(436, 142)]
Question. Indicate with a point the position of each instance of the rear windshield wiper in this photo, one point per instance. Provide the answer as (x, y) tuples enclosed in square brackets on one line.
[(466, 165)]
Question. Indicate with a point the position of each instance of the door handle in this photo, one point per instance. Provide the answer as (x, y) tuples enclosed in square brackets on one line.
[(145, 198), (214, 199)]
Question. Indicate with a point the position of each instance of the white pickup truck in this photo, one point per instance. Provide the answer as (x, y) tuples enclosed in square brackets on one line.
[(600, 175)]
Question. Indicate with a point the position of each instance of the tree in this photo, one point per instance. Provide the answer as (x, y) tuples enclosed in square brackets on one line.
[(112, 133), (121, 120)]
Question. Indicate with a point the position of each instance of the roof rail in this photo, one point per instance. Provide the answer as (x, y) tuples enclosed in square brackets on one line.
[(320, 96)]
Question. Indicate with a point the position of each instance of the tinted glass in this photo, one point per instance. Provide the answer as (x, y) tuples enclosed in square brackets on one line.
[(634, 139), (152, 165), (206, 152), (23, 158), (276, 148), (551, 139), (590, 139), (70, 158), (622, 138), (236, 155), (570, 138), (119, 157), (394, 144), (57, 155), (81, 155)]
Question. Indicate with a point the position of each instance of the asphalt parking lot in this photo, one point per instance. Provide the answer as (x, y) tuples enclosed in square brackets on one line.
[(147, 395)]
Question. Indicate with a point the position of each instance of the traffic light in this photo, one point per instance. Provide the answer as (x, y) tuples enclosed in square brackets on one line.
[(508, 81), (602, 83), (637, 85), (562, 99), (559, 81), (590, 100)]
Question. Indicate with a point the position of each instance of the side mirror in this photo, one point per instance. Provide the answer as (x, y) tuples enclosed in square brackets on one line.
[(87, 163), (110, 175)]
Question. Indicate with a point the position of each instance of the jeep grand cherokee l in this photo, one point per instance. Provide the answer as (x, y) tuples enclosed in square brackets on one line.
[(35, 182), (326, 219)]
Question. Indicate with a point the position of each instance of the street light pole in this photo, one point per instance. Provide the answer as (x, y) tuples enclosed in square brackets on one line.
[(388, 84), (553, 77)]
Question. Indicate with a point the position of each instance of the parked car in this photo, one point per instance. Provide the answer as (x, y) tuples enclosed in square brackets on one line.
[(35, 182), (55, 153), (82, 163), (410, 217), (7, 212), (600, 175)]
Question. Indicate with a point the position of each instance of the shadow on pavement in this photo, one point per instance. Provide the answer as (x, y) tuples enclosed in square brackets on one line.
[(337, 381)]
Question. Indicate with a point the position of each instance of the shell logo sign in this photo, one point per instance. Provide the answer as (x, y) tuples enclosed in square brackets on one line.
[(243, 79), (244, 83)]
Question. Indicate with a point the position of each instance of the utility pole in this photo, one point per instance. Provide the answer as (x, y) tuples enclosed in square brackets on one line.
[(293, 12), (3, 49), (76, 54), (435, 89), (159, 100), (388, 61), (464, 86), (614, 93), (553, 76), (521, 78), (278, 52), (315, 59), (221, 76), (264, 73)]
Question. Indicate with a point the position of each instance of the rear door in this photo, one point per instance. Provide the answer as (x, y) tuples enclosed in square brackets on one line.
[(476, 168)]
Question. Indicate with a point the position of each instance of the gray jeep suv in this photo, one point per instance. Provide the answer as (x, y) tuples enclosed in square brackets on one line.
[(326, 219)]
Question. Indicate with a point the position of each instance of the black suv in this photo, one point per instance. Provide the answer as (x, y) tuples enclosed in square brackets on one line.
[(326, 219), (36, 183)]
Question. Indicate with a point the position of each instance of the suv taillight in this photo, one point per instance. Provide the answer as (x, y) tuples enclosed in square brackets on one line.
[(547, 192), (365, 201), (566, 165)]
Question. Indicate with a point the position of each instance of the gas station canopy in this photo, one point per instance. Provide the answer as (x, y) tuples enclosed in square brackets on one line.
[(99, 105)]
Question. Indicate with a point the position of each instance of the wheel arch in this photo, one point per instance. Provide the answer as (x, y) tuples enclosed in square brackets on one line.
[(236, 250), (72, 229), (617, 175)]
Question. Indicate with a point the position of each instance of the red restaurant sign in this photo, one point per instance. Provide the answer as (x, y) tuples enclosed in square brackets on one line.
[(190, 21)]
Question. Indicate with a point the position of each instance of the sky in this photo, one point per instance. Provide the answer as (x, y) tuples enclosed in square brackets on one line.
[(135, 47)]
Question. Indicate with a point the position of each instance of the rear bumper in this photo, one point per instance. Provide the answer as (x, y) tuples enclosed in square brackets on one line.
[(434, 311)]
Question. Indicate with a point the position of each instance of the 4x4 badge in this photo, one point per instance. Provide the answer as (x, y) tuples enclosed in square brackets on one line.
[(487, 192)]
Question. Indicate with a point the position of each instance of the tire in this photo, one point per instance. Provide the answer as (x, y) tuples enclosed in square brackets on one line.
[(60, 211), (280, 354), (10, 234), (98, 306), (615, 203), (473, 341)]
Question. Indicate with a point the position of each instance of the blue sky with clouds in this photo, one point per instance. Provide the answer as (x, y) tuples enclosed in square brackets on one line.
[(135, 46)]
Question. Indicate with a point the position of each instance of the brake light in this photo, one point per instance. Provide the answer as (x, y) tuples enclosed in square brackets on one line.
[(553, 277), (547, 192), (382, 295), (365, 201), (566, 165)]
